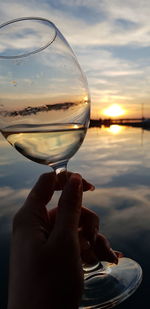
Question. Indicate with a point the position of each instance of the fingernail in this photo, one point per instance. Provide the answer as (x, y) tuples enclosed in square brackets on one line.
[(113, 257), (92, 188), (119, 254)]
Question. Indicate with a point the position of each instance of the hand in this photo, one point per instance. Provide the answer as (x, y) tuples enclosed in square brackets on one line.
[(47, 246)]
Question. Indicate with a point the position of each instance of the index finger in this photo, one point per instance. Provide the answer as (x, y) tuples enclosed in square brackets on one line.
[(89, 224), (62, 178)]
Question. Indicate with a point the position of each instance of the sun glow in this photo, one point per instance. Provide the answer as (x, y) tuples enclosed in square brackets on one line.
[(114, 110)]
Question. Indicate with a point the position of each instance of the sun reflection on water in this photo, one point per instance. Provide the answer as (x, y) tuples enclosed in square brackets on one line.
[(115, 129)]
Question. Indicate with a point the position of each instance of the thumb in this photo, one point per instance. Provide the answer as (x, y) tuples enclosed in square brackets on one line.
[(34, 209), (69, 205), (42, 192)]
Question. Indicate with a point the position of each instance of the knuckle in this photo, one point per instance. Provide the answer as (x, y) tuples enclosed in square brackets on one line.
[(95, 219), (89, 218), (43, 176), (104, 241)]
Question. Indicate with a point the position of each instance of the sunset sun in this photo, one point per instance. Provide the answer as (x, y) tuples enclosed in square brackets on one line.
[(114, 110)]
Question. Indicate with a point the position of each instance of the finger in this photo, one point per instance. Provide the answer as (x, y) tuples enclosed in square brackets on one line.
[(69, 206), (52, 217), (87, 254), (64, 176), (89, 224), (33, 214), (103, 250), (42, 192), (119, 254)]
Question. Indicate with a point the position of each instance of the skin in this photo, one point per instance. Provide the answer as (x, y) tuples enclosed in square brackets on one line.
[(49, 247)]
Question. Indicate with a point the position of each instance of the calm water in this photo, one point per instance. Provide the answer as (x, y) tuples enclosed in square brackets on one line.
[(117, 161)]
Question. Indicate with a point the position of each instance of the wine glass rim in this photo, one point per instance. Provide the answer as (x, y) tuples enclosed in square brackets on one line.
[(36, 50)]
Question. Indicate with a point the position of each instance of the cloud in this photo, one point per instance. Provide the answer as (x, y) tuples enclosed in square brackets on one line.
[(78, 30), (116, 23), (11, 199), (124, 213)]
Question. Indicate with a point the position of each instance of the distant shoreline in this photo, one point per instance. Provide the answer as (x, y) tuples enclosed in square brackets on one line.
[(134, 122)]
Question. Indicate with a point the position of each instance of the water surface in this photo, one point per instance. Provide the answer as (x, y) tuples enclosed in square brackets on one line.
[(117, 161)]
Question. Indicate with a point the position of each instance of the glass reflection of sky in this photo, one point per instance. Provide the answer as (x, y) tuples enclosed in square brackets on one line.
[(118, 164), (27, 36), (38, 69)]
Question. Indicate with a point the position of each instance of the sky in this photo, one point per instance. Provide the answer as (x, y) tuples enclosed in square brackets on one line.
[(111, 40)]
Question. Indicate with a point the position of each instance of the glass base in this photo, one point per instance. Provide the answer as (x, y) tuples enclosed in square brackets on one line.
[(109, 284)]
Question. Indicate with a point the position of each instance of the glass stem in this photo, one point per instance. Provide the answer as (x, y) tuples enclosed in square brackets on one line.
[(60, 167), (61, 170), (102, 269)]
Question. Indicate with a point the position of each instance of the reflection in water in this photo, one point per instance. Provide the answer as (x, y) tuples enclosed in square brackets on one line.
[(119, 165), (115, 129)]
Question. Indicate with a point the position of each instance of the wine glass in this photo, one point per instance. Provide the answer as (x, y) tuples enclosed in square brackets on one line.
[(44, 114)]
